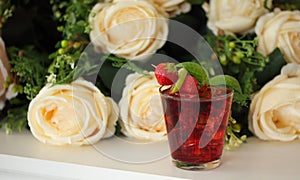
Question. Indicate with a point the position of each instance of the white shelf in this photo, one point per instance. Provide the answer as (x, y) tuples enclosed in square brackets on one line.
[(23, 156)]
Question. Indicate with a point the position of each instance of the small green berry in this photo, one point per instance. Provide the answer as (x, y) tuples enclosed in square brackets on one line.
[(223, 60), (236, 60), (240, 54), (15, 89), (57, 14), (231, 44), (61, 51), (64, 43), (20, 89), (60, 28), (54, 8)]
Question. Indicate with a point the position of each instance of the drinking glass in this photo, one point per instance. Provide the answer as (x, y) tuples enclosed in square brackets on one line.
[(196, 126)]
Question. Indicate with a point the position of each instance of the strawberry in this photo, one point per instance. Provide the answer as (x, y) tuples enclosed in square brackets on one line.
[(189, 86), (166, 73), (205, 91)]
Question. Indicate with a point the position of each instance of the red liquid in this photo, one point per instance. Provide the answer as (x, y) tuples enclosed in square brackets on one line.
[(188, 118)]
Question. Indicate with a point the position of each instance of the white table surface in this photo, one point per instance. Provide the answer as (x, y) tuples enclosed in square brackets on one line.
[(21, 155)]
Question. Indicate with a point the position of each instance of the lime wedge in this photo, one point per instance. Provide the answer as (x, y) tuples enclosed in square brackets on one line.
[(181, 77)]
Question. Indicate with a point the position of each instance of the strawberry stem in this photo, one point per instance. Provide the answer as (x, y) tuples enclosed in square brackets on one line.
[(153, 66), (182, 74)]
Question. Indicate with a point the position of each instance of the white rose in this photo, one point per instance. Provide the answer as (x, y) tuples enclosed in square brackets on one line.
[(274, 111), (141, 109), (280, 29), (234, 16), (128, 29), (76, 113), (174, 7), (5, 93)]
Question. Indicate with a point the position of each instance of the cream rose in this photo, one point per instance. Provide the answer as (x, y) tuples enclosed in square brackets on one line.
[(128, 29), (140, 108), (274, 111), (280, 29), (76, 113), (234, 16), (174, 7), (5, 93)]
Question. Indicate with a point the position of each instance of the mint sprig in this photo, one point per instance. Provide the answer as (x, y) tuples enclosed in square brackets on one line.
[(197, 71), (227, 80)]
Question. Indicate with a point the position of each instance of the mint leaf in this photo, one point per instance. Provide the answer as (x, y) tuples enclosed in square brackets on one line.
[(229, 81), (197, 71)]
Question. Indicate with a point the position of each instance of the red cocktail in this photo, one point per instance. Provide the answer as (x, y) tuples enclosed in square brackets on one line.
[(196, 125)]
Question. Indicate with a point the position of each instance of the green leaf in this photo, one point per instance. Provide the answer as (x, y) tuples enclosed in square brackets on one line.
[(196, 70), (228, 80), (286, 4), (118, 62), (194, 2), (272, 68), (240, 99)]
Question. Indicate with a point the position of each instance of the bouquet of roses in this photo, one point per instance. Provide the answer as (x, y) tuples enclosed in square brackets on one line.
[(81, 70)]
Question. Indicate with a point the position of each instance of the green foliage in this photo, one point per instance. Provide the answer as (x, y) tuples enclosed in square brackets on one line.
[(6, 10), (276, 62), (124, 63), (73, 16), (14, 116), (74, 27), (29, 67), (239, 58), (27, 50), (63, 67), (286, 4), (196, 2), (232, 138)]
